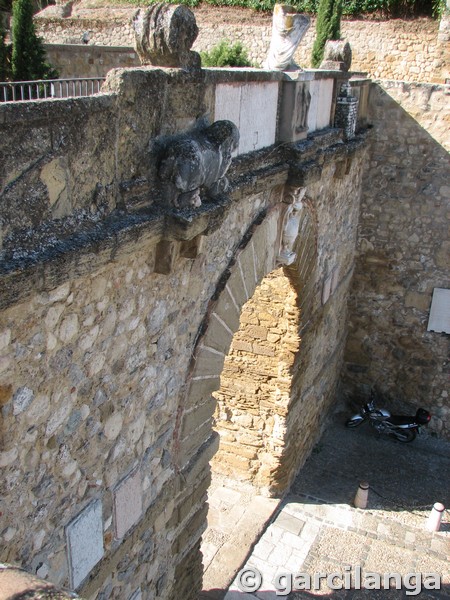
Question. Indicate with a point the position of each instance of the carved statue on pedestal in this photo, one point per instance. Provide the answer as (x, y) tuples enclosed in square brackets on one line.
[(288, 28)]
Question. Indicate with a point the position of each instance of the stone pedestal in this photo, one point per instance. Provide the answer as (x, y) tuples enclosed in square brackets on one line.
[(346, 112)]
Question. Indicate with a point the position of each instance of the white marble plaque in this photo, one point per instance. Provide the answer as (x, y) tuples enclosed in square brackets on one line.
[(439, 319), (84, 536), (127, 503)]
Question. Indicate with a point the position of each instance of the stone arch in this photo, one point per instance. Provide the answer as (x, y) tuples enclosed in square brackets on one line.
[(258, 256)]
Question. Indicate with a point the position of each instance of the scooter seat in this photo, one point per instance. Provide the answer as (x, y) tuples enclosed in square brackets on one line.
[(402, 419)]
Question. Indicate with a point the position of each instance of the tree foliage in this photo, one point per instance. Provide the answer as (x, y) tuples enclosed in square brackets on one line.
[(328, 27), (28, 60), (4, 55), (226, 55)]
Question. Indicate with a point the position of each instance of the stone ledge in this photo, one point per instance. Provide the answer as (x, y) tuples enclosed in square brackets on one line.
[(43, 264)]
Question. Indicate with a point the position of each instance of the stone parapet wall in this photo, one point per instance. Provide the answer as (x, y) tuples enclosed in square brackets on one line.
[(396, 49), (403, 253)]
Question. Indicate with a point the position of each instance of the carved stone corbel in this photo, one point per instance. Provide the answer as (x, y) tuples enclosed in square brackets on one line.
[(197, 162)]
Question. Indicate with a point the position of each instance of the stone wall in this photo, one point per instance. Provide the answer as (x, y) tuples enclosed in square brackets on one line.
[(117, 313), (89, 60), (403, 253), (396, 49)]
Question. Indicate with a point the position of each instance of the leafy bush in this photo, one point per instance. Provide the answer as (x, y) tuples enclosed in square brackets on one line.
[(226, 55)]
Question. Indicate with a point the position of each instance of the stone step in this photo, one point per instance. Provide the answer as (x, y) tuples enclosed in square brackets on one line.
[(405, 529)]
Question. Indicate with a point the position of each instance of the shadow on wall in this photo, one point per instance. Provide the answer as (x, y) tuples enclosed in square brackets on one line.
[(403, 253)]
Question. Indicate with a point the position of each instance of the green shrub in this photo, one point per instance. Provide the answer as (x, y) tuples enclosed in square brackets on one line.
[(328, 27), (226, 55)]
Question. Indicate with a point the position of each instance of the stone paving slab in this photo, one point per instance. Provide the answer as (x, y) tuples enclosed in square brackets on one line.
[(317, 530)]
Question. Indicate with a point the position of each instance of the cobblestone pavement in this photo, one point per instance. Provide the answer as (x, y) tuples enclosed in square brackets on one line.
[(315, 528)]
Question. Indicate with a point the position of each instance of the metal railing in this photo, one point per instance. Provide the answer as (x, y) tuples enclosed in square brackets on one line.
[(19, 91)]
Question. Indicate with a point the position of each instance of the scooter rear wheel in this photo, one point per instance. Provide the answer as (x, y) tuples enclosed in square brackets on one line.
[(405, 435)]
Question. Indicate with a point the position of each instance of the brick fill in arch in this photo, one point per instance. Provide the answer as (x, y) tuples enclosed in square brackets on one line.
[(256, 382)]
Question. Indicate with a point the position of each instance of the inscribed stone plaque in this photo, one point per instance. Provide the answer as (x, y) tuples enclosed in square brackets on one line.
[(84, 537), (127, 503), (439, 320)]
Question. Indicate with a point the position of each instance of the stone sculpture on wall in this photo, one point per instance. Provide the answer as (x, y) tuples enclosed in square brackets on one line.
[(164, 34), (288, 28), (195, 161), (337, 56), (291, 223)]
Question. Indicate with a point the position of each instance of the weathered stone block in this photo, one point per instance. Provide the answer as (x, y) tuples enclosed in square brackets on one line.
[(237, 287), (208, 362), (242, 345), (247, 266), (295, 102), (227, 310), (417, 300), (166, 256), (320, 106), (253, 108), (200, 389), (194, 440), (84, 536), (197, 416), (218, 335)]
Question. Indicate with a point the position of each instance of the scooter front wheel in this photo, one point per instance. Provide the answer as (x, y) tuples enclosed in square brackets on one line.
[(405, 435), (354, 421)]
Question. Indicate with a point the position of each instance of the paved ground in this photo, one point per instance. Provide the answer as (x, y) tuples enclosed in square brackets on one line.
[(315, 529)]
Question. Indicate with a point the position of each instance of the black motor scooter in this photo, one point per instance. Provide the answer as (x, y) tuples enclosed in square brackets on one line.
[(403, 428)]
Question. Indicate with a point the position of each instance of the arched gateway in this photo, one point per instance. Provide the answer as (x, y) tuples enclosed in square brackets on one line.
[(245, 367)]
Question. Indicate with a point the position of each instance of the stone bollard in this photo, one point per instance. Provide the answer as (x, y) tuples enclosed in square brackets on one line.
[(362, 495), (434, 520)]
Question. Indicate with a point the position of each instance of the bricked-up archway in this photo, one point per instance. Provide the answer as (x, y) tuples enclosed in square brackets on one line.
[(246, 365), (255, 386)]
